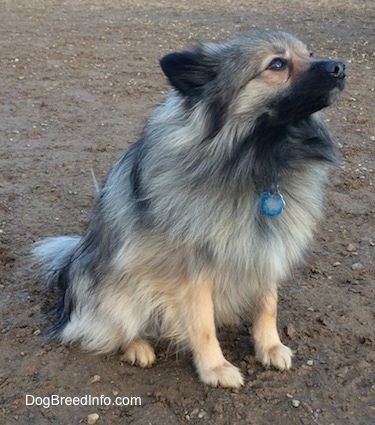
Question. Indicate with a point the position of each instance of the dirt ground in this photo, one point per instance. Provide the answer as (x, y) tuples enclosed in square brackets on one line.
[(78, 78)]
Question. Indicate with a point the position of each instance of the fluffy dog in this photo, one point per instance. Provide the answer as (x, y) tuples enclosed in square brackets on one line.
[(200, 220)]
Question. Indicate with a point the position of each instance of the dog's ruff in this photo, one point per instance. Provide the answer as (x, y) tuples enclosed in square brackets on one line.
[(176, 244)]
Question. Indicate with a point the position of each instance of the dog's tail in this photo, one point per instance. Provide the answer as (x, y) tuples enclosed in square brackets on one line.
[(54, 256)]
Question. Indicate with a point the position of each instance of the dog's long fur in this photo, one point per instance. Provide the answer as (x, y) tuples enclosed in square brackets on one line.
[(176, 244)]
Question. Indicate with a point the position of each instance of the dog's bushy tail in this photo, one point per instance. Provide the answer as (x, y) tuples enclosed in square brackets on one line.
[(54, 256)]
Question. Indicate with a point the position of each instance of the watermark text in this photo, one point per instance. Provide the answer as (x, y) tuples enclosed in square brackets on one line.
[(86, 400)]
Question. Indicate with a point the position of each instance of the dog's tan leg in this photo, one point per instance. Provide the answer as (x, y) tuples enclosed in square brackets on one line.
[(139, 352), (212, 367), (268, 348)]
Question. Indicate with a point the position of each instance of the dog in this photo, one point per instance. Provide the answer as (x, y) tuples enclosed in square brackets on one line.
[(200, 220)]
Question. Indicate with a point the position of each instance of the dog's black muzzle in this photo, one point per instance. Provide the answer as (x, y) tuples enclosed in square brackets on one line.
[(314, 89)]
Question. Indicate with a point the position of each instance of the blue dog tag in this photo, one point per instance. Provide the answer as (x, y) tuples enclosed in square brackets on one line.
[(271, 204)]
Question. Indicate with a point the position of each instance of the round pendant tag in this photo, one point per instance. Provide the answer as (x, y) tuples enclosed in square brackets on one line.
[(271, 204)]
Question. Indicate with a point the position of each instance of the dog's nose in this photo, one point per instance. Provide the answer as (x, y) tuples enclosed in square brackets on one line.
[(335, 68)]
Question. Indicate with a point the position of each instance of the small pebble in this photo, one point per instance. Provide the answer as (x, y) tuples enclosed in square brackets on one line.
[(218, 408), (95, 378), (290, 330), (310, 362), (357, 266), (351, 247), (202, 414), (295, 403), (336, 264), (92, 419)]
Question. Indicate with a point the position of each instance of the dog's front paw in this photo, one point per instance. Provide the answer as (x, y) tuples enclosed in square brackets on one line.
[(226, 375), (278, 356), (139, 352)]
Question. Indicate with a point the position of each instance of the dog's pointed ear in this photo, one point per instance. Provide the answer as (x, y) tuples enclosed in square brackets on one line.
[(188, 71)]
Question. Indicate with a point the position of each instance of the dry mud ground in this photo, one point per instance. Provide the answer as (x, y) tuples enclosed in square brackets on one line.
[(78, 78)]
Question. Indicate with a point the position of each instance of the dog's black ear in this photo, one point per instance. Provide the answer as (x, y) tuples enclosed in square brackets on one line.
[(188, 71)]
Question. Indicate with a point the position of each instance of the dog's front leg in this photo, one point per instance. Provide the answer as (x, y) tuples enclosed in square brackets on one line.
[(212, 367), (268, 348)]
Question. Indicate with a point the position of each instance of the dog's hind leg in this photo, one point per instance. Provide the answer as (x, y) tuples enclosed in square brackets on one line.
[(268, 348), (198, 311), (139, 352)]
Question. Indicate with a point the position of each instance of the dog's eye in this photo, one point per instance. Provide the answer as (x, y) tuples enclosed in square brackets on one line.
[(277, 64)]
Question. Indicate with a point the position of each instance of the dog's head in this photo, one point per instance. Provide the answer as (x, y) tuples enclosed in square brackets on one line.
[(263, 73)]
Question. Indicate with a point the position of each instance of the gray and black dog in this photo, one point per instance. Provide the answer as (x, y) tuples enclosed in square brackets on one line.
[(200, 220)]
